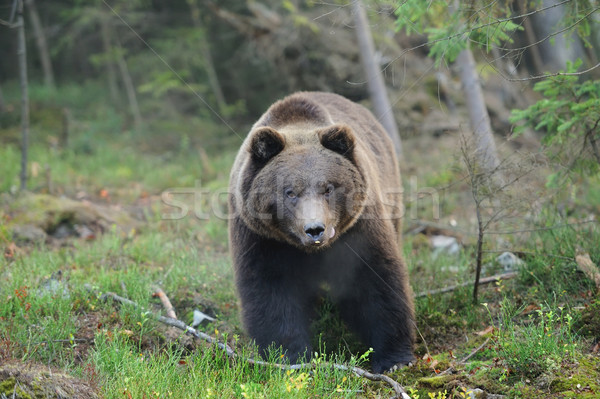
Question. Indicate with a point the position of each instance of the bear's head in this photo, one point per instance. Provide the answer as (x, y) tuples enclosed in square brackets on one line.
[(303, 188)]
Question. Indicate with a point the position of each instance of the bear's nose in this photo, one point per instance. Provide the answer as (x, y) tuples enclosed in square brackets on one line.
[(314, 230)]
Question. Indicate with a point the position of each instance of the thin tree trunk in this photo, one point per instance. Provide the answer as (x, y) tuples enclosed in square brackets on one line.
[(129, 89), (2, 103), (478, 263), (40, 41), (111, 73), (213, 78), (66, 122), (536, 57), (375, 83), (478, 115), (22, 57)]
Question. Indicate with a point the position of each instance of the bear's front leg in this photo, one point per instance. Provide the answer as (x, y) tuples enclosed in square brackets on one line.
[(276, 314), (384, 324), (381, 310)]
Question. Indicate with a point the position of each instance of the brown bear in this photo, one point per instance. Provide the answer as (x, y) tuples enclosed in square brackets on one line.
[(315, 204)]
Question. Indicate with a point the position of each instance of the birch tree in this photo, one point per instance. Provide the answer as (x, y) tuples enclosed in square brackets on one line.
[(375, 82)]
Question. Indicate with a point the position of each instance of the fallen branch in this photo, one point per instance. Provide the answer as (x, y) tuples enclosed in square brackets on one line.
[(470, 355), (587, 266), (486, 280), (466, 358), (172, 322), (164, 299), (398, 389)]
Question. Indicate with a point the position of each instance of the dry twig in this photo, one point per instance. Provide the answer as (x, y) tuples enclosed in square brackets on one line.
[(464, 360), (485, 280), (398, 389), (164, 299), (587, 266)]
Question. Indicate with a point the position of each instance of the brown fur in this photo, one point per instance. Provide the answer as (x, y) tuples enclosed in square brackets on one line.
[(316, 198)]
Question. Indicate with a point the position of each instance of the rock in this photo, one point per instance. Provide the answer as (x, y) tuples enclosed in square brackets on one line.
[(84, 231), (54, 286), (200, 318), (63, 230), (28, 233), (509, 261), (444, 244), (32, 380), (61, 217)]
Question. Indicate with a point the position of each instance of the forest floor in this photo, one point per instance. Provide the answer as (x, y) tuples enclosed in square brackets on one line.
[(109, 215)]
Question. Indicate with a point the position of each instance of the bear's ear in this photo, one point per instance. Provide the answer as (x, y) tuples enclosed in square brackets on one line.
[(338, 138), (266, 142)]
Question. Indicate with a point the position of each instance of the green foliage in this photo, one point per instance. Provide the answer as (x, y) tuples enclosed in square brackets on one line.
[(450, 29), (576, 17), (569, 114)]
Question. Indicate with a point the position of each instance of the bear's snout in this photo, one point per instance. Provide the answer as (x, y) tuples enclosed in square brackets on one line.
[(315, 231)]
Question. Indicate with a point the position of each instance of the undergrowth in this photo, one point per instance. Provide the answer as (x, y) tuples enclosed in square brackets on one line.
[(538, 344)]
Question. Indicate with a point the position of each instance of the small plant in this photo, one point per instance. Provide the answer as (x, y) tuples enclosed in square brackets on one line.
[(438, 395), (539, 346), (143, 319), (465, 393), (296, 381)]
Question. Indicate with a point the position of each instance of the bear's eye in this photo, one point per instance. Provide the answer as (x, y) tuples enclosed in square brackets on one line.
[(290, 193), (328, 190)]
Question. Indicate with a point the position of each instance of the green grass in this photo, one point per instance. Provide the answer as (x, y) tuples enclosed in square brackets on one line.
[(106, 165), (541, 344), (170, 372)]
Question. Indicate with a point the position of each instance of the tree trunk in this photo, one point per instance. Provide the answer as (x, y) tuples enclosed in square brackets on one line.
[(129, 89), (40, 41), (66, 122), (561, 48), (536, 57), (479, 258), (209, 65), (111, 73), (22, 57), (478, 115), (2, 104), (375, 83)]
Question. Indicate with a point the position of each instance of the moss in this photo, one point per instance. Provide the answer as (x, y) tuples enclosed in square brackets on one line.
[(7, 389), (584, 382), (436, 381), (48, 213), (33, 381), (7, 386), (489, 380), (520, 390), (410, 375)]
